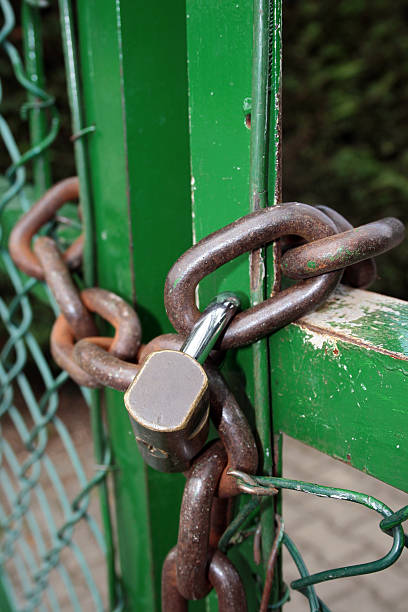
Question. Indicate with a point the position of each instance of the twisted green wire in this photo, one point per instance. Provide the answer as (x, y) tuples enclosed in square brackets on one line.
[(17, 319), (263, 485)]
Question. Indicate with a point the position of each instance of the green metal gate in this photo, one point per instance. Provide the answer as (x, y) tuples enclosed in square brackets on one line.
[(169, 104)]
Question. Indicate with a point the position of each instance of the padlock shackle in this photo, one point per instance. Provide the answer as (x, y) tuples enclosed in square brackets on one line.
[(210, 325)]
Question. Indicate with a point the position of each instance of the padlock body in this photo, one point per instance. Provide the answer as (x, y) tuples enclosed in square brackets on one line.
[(168, 403)]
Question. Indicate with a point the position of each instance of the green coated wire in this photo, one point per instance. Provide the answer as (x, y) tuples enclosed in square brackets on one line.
[(17, 318), (308, 591), (19, 72), (284, 599), (248, 511), (69, 44), (395, 519), (262, 485)]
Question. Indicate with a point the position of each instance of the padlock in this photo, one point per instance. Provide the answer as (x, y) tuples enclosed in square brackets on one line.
[(168, 401)]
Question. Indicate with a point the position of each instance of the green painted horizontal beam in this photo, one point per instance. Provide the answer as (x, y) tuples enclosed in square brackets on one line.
[(340, 382)]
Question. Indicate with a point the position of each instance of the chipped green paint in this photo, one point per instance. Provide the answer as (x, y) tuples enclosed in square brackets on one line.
[(310, 264), (352, 403), (376, 321), (176, 282)]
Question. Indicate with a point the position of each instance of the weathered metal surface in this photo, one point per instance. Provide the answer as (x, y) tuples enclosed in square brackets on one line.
[(93, 357), (219, 98), (222, 576), (59, 280), (248, 233), (140, 190), (226, 581), (172, 600), (195, 565), (339, 380), (62, 343), (194, 528), (234, 432), (226, 415), (168, 401), (362, 274), (347, 248), (42, 212), (128, 332), (168, 404), (97, 361)]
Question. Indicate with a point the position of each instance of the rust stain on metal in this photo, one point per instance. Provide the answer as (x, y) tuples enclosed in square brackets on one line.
[(256, 269), (336, 335), (248, 234), (195, 523), (33, 220), (234, 431), (59, 280), (344, 249), (270, 570)]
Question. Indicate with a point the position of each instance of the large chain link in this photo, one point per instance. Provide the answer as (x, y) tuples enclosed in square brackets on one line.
[(196, 564)]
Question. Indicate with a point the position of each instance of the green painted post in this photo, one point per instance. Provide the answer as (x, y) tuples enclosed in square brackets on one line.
[(133, 65), (232, 168)]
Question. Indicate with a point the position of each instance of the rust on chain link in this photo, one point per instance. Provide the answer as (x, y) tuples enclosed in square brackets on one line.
[(222, 576), (226, 581), (246, 234), (125, 343), (59, 280), (62, 342), (107, 370), (128, 332), (102, 366), (344, 249), (234, 431), (172, 600), (362, 274), (30, 223), (195, 522)]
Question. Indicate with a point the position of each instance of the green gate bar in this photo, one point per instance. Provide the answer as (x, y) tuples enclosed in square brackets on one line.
[(133, 63), (230, 46), (134, 69), (339, 382)]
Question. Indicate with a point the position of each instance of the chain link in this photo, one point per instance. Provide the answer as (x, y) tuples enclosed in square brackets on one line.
[(225, 468)]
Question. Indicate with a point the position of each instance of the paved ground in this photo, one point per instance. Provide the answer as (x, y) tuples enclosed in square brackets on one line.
[(328, 532), (331, 532)]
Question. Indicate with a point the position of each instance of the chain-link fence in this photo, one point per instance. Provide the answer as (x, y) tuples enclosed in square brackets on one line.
[(49, 516)]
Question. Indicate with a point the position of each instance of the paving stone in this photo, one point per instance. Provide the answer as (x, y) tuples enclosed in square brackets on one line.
[(330, 533)]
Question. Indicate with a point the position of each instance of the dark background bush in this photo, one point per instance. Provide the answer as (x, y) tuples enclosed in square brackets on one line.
[(345, 114), (345, 111)]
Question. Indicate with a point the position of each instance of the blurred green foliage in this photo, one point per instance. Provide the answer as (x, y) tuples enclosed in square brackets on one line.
[(345, 111), (345, 114)]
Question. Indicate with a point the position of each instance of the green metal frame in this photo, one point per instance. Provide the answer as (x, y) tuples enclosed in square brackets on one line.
[(135, 93), (140, 176), (133, 62), (160, 97)]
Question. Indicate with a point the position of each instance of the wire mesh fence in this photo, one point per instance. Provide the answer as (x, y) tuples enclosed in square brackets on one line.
[(49, 516)]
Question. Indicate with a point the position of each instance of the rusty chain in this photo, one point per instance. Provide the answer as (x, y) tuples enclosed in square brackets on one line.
[(319, 245)]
